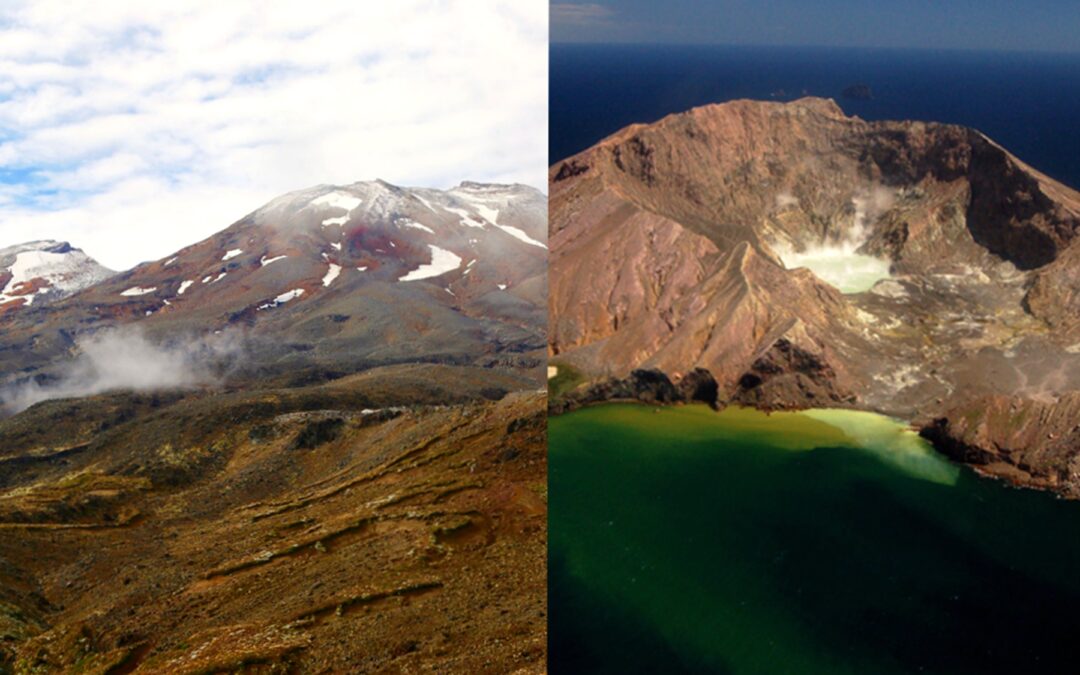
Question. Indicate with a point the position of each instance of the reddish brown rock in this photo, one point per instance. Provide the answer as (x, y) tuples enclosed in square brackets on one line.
[(1025, 441)]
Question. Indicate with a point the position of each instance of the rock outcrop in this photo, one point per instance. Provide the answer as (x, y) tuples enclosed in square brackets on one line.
[(1022, 440), (648, 386)]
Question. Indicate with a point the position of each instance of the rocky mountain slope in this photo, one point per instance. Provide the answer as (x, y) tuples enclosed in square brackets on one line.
[(313, 442), (678, 245), (328, 281), (44, 271)]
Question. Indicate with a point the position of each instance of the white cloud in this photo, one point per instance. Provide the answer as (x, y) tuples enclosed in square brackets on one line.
[(133, 129)]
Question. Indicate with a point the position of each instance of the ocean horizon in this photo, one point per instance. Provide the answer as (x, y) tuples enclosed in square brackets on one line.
[(1029, 102)]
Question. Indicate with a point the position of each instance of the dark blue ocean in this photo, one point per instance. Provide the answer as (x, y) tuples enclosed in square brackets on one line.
[(1029, 103)]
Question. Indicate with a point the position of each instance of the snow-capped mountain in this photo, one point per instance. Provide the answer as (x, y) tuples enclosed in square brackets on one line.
[(471, 243), (44, 271), (342, 277)]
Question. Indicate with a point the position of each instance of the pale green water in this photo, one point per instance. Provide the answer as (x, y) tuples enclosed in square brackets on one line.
[(682, 540), (891, 441), (841, 267)]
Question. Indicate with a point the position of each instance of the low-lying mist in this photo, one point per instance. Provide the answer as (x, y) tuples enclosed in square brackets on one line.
[(126, 359)]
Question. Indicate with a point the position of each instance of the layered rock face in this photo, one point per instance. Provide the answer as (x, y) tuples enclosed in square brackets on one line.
[(669, 243)]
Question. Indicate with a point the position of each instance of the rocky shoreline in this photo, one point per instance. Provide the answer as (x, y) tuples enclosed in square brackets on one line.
[(1030, 444), (1027, 442)]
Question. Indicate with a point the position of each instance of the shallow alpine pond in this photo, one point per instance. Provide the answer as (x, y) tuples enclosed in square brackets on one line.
[(684, 540)]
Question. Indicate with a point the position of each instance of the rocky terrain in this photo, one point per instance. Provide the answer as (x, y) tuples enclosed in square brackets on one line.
[(294, 530), (679, 245), (314, 442)]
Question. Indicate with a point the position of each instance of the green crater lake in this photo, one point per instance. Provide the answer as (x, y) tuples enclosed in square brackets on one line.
[(688, 541)]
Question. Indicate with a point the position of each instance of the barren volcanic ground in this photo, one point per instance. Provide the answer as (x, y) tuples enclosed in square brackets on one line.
[(305, 530), (808, 259)]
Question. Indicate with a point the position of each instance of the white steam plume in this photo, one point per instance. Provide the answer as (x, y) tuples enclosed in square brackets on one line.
[(838, 262), (125, 359)]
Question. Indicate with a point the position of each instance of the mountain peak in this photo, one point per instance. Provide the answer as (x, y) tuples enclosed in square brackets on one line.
[(407, 271), (493, 188), (825, 107), (46, 245), (44, 271), (484, 187)]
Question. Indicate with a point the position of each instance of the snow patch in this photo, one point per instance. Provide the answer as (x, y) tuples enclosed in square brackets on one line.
[(335, 270), (466, 218), (487, 213), (339, 200), (336, 245), (169, 262), (282, 299), (362, 269), (520, 234), (232, 254), (502, 287), (184, 286), (442, 261), (482, 201), (264, 261), (336, 199), (138, 290), (405, 222), (425, 202)]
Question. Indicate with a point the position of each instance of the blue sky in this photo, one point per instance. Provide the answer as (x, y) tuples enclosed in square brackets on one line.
[(1027, 25), (133, 129)]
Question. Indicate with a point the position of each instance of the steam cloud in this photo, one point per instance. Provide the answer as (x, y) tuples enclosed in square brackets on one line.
[(838, 262), (868, 206), (126, 359)]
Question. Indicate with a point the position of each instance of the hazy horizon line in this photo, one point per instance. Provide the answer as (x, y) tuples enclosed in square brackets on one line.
[(767, 45)]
